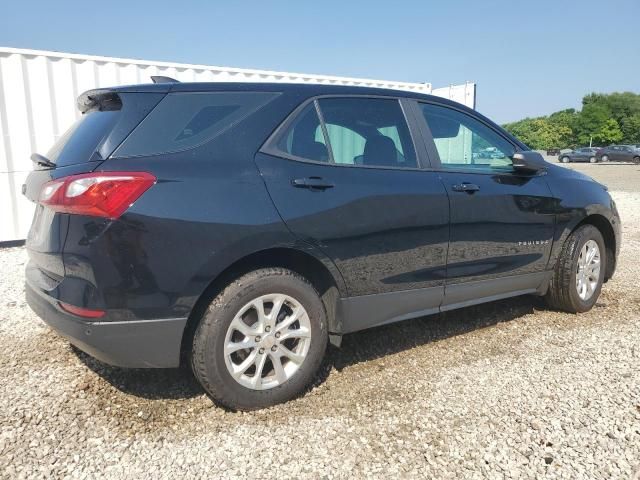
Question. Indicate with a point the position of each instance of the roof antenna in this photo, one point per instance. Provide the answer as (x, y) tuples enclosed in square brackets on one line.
[(161, 79)]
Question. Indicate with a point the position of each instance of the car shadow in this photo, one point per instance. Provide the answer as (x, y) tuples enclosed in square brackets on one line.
[(149, 383), (613, 164), (382, 341), (364, 346)]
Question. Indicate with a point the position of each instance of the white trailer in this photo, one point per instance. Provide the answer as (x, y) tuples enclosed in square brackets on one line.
[(38, 91)]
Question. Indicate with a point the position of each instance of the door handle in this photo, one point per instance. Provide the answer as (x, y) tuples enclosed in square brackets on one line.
[(465, 187), (312, 183)]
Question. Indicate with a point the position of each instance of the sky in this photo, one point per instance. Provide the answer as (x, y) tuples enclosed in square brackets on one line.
[(528, 58)]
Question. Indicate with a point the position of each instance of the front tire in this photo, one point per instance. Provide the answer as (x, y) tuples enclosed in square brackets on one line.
[(593, 160), (636, 160), (261, 340), (605, 158), (579, 273), (565, 159)]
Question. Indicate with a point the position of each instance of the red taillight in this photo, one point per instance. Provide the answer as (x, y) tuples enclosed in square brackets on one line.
[(98, 194), (81, 312)]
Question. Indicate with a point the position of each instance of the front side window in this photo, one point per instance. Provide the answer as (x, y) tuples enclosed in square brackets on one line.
[(464, 142), (359, 132)]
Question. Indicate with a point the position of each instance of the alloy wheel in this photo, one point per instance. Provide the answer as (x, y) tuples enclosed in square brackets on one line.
[(267, 341), (588, 270)]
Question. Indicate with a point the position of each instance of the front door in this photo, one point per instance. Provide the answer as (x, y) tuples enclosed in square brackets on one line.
[(502, 222), (351, 186), (582, 155)]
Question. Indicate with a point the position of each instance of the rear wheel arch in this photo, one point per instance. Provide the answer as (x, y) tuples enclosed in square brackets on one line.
[(326, 280)]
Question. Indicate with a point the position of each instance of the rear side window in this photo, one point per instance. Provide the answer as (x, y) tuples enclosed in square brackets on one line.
[(369, 132), (186, 120), (304, 137)]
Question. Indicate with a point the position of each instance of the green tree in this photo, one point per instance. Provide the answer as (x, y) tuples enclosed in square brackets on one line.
[(609, 132), (590, 122), (523, 130), (631, 129), (540, 133), (604, 119), (565, 122), (620, 104)]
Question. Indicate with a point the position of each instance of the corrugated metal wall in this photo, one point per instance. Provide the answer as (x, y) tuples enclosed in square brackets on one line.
[(38, 90)]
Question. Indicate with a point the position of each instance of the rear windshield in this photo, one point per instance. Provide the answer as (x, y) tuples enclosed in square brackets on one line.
[(79, 142), (186, 120)]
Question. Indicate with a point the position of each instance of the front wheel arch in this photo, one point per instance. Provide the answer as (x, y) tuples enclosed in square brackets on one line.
[(608, 234), (564, 291)]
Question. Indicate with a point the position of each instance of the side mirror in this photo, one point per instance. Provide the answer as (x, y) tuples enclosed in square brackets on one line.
[(528, 162)]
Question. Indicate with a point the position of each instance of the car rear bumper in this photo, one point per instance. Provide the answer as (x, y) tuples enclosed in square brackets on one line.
[(132, 344)]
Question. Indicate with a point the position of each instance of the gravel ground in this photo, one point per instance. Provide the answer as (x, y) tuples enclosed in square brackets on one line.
[(618, 176), (503, 390)]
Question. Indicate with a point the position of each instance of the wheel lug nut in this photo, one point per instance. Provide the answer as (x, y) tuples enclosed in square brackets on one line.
[(274, 348), (261, 351), (267, 329), (257, 339), (277, 334)]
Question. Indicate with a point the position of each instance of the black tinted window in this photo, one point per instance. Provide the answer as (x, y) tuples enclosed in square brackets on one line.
[(368, 131), (304, 138), (186, 120), (79, 142)]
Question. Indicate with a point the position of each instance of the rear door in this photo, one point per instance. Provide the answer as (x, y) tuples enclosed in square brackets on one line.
[(616, 154), (626, 153), (352, 186), (502, 222)]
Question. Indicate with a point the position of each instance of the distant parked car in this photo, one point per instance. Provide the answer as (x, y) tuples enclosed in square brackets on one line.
[(619, 153), (553, 152), (586, 154)]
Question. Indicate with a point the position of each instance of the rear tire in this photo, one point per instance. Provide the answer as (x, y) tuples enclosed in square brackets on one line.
[(568, 275), (272, 376), (605, 158), (593, 160), (636, 160)]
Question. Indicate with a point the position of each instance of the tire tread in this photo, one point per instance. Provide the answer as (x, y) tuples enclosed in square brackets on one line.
[(559, 294), (210, 322)]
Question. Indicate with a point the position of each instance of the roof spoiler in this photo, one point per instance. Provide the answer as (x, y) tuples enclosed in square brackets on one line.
[(161, 79), (102, 98)]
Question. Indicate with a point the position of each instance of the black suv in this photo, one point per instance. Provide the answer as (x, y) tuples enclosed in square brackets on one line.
[(243, 226)]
